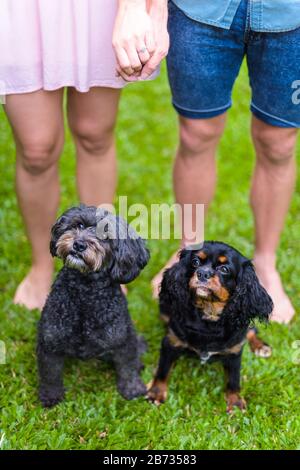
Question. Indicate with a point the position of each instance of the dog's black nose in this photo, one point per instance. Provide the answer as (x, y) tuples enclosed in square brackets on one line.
[(79, 245), (204, 274)]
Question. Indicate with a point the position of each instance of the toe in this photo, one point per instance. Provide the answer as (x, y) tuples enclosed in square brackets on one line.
[(283, 313), (233, 401), (265, 351), (156, 395), (33, 291), (157, 400)]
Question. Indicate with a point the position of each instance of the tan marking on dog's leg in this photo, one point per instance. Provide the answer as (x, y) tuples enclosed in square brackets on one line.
[(233, 399), (157, 391), (257, 345), (175, 341), (165, 318)]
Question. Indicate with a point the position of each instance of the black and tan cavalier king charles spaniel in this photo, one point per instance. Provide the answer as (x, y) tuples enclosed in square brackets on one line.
[(209, 300)]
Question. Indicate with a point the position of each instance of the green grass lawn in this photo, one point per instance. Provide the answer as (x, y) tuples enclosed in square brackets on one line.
[(94, 416)]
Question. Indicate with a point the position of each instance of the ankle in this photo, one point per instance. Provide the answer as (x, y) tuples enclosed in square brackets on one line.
[(186, 243), (265, 261), (42, 269)]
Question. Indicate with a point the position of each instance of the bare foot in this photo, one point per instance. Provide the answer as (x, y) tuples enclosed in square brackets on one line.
[(156, 281), (283, 310), (35, 287)]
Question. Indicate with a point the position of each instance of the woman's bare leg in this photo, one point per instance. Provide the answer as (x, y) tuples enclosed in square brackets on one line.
[(92, 118), (37, 123)]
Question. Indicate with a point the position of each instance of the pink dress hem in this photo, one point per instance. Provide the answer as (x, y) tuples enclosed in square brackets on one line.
[(54, 44)]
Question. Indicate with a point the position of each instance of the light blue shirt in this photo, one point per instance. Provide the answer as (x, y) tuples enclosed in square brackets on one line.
[(265, 15)]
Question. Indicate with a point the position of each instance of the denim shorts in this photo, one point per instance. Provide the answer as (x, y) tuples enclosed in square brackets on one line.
[(204, 62)]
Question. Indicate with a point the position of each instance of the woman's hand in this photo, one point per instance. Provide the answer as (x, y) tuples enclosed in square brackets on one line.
[(140, 37), (133, 38)]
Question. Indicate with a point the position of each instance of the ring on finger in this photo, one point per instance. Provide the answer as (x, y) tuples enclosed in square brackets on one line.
[(143, 50)]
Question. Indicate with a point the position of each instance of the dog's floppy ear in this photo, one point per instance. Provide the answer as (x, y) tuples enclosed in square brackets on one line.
[(62, 223), (129, 252), (56, 231), (174, 286), (254, 301)]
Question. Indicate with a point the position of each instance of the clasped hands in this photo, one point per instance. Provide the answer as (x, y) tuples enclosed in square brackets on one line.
[(140, 38)]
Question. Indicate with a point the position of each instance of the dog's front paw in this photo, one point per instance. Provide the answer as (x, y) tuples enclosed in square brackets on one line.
[(131, 389), (157, 392), (261, 349), (51, 396), (258, 346), (233, 399)]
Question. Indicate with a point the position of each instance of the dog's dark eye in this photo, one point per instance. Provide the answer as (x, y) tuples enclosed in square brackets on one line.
[(80, 226), (224, 269), (196, 263)]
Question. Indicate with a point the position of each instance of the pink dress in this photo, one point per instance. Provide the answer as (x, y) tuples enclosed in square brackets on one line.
[(49, 44)]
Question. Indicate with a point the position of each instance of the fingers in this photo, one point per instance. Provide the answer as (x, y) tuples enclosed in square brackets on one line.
[(157, 53), (127, 78), (139, 38), (151, 66), (139, 58), (123, 61), (129, 60), (133, 54), (146, 48), (160, 52), (143, 53), (150, 42), (134, 58), (129, 74)]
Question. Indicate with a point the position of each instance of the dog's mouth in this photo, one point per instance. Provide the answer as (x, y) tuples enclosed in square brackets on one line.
[(203, 291), (76, 261), (85, 262), (88, 258)]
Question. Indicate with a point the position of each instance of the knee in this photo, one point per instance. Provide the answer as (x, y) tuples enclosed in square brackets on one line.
[(93, 139), (275, 146), (199, 136), (37, 156)]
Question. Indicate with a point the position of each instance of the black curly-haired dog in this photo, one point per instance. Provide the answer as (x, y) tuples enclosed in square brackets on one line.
[(209, 299), (86, 315)]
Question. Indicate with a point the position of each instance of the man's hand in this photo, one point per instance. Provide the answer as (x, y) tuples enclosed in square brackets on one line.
[(159, 16)]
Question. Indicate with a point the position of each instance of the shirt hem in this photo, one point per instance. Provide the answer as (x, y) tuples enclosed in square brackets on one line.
[(223, 25)]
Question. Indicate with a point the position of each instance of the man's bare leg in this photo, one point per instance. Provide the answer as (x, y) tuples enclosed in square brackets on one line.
[(37, 123), (272, 188), (194, 173)]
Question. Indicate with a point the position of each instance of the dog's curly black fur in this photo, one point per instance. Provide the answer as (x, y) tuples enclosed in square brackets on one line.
[(209, 299), (86, 314)]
